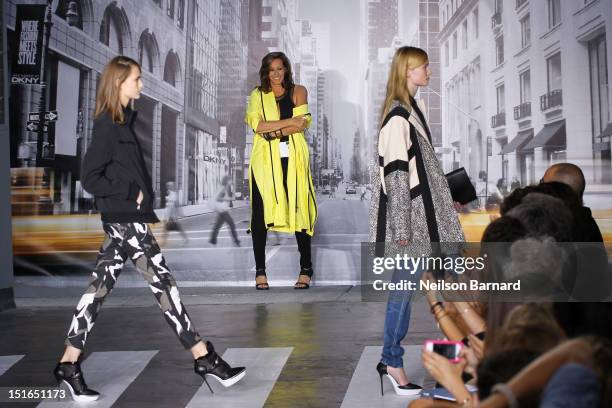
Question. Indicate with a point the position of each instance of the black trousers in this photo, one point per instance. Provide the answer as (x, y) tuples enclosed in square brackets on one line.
[(259, 231)]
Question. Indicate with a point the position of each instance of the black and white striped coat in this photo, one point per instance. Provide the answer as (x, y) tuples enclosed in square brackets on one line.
[(411, 199)]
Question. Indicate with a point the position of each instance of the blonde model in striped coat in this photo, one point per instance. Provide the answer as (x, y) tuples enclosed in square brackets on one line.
[(411, 203)]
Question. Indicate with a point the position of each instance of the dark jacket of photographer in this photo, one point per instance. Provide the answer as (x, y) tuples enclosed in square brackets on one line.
[(114, 172)]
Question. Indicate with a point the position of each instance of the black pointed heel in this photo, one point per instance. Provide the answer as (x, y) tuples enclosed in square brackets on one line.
[(213, 365), (408, 389)]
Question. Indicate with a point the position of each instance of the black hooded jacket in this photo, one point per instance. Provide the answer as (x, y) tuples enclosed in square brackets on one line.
[(114, 172)]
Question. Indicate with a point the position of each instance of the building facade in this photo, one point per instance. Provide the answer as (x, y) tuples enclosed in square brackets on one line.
[(537, 92), (428, 40), (205, 161), (280, 29), (232, 86), (462, 64), (85, 35), (382, 27), (309, 70)]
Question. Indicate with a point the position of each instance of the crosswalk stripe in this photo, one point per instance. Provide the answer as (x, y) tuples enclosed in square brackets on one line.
[(364, 388), (7, 362), (110, 373), (211, 248), (263, 365), (269, 256)]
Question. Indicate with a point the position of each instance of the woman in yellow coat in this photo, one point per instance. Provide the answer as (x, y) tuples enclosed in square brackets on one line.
[(281, 190)]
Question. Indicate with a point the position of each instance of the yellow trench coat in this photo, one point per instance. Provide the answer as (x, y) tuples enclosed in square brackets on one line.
[(298, 211)]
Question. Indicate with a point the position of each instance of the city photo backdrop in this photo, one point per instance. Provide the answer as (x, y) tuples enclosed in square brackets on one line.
[(516, 86)]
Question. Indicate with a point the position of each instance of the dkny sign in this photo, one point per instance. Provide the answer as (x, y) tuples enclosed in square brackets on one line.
[(214, 159), (29, 47)]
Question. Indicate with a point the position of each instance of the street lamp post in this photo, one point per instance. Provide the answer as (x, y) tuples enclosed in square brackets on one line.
[(43, 86)]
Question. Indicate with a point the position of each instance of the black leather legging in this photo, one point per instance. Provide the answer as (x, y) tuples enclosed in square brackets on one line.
[(260, 232)]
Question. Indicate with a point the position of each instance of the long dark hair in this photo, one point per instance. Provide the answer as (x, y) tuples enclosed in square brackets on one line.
[(264, 71)]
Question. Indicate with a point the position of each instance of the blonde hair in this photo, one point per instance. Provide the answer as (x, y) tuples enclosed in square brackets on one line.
[(405, 58), (530, 326), (108, 97)]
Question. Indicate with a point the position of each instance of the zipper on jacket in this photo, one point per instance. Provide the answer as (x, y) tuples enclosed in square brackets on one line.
[(263, 109), (272, 162), (313, 199), (296, 183)]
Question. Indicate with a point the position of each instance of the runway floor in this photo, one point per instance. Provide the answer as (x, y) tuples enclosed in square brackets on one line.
[(315, 348)]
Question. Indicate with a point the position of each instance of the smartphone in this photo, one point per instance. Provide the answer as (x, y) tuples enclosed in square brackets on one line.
[(446, 348)]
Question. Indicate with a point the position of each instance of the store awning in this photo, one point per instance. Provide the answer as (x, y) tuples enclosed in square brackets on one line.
[(551, 136), (518, 142)]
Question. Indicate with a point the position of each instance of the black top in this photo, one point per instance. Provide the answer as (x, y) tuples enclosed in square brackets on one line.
[(415, 106), (585, 227), (114, 172), (285, 107)]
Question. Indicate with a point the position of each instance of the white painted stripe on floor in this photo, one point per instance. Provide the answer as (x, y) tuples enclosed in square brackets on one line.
[(7, 362), (364, 389), (213, 248), (269, 255), (274, 283), (263, 366), (248, 236), (110, 373), (59, 282), (159, 230)]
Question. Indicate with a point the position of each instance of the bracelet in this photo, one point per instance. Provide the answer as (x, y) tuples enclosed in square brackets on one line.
[(504, 390), (436, 305)]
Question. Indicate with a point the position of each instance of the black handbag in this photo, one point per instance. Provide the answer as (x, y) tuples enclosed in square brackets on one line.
[(461, 188)]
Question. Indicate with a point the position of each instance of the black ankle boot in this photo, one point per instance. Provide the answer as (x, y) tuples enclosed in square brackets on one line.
[(70, 375), (212, 364)]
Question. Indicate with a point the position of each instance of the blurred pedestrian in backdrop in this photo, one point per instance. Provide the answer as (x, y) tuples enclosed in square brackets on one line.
[(172, 223), (221, 204)]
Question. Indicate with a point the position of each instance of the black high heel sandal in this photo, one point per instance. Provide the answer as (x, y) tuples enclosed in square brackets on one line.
[(299, 285), (408, 389), (213, 365), (71, 376), (261, 285)]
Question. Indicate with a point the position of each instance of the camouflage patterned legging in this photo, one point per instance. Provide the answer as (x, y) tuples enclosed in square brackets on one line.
[(133, 240)]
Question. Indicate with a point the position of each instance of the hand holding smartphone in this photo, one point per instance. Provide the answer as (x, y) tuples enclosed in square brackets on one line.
[(446, 348)]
